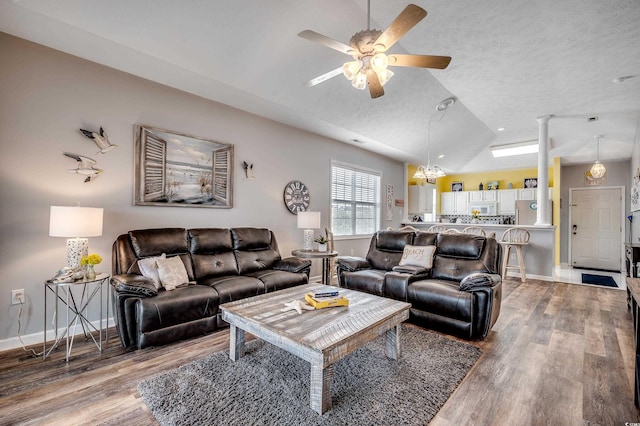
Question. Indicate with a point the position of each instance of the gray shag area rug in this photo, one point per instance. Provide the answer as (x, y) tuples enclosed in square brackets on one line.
[(269, 386)]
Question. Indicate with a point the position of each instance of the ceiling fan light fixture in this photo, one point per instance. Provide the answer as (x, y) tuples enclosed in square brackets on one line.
[(360, 80), (351, 69), (379, 62)]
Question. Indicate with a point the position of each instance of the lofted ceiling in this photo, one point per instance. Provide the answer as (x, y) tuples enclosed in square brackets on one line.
[(512, 61)]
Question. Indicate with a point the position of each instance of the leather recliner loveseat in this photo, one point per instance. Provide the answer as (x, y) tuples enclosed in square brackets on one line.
[(459, 295), (222, 265)]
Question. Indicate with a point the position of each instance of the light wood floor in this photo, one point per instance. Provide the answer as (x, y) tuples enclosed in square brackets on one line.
[(560, 354)]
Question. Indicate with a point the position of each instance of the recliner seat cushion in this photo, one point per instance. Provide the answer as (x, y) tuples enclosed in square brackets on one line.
[(278, 280), (236, 287), (367, 280), (442, 298), (181, 305)]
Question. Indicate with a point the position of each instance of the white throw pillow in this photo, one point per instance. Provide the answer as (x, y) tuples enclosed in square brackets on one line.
[(418, 256), (172, 272), (149, 269)]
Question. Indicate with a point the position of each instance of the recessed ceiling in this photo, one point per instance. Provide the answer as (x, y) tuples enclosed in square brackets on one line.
[(512, 61)]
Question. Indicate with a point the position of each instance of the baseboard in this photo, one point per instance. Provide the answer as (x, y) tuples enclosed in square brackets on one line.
[(516, 275), (36, 338)]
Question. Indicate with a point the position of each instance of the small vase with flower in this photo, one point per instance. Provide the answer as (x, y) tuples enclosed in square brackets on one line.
[(89, 262), (475, 215)]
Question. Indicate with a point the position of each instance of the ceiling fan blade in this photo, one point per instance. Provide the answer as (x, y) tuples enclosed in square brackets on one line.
[(375, 88), (407, 19), (421, 61), (329, 42), (324, 77)]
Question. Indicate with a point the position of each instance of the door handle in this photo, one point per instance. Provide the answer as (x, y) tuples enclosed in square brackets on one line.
[(575, 229)]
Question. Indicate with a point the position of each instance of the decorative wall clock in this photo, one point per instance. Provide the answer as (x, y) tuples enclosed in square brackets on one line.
[(296, 197)]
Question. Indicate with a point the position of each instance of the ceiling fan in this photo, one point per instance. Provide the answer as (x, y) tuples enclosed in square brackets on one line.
[(368, 47)]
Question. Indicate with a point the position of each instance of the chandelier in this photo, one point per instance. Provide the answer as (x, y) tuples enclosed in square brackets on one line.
[(598, 170)]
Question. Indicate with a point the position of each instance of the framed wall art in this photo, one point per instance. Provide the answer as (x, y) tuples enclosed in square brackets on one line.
[(635, 198), (530, 183), (173, 169), (456, 186)]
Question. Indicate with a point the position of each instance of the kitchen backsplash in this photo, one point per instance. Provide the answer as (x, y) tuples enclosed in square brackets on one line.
[(494, 220)]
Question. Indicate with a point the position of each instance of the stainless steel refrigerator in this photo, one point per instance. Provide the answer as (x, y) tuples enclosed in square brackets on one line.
[(527, 212)]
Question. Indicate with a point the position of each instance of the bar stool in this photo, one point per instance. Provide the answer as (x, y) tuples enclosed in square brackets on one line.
[(437, 228), (514, 238), (475, 230)]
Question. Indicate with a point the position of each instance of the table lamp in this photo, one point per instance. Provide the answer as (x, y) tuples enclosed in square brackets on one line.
[(75, 223), (308, 221)]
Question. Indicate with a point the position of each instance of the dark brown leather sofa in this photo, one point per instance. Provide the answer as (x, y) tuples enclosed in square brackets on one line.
[(460, 295), (225, 264)]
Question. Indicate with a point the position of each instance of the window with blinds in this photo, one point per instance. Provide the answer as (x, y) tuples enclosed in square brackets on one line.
[(355, 200)]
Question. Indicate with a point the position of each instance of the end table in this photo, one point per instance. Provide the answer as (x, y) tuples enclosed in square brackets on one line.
[(315, 254), (76, 296)]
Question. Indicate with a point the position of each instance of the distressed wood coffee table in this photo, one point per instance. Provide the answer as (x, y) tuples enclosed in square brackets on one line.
[(320, 337)]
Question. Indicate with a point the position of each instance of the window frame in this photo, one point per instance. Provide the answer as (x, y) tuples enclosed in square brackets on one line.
[(378, 202)]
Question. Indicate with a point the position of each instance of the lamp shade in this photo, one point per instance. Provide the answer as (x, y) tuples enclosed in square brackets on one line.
[(70, 222), (308, 220)]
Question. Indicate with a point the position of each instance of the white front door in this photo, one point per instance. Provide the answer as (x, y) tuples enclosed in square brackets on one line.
[(596, 228)]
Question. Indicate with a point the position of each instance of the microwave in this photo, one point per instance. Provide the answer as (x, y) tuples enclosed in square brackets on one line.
[(484, 208)]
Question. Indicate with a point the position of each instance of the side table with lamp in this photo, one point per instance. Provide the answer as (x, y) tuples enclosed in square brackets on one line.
[(76, 297), (73, 284)]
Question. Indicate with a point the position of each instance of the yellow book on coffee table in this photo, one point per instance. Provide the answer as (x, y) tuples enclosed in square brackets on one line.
[(328, 302)]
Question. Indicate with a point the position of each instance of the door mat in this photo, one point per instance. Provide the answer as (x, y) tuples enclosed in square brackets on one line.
[(605, 280)]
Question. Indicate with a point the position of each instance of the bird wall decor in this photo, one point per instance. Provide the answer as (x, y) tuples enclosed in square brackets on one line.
[(101, 139), (248, 170), (85, 166)]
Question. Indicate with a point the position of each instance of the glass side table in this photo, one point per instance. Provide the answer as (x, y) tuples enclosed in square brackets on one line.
[(76, 296), (315, 254)]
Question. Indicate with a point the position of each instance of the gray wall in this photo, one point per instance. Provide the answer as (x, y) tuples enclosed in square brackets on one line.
[(574, 177), (47, 96), (635, 171)]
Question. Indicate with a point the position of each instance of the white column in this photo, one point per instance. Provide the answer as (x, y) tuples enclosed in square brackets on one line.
[(543, 216)]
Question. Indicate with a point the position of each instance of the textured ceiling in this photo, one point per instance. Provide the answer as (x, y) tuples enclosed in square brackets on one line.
[(512, 61)]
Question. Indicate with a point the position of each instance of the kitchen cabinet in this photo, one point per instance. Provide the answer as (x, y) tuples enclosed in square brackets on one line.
[(454, 202), (527, 194), (483, 196), (421, 198), (532, 193), (507, 201)]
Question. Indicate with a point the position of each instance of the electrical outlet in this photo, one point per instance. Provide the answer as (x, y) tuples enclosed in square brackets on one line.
[(17, 296)]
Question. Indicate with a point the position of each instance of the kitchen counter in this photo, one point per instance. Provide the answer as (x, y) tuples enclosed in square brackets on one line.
[(539, 254)]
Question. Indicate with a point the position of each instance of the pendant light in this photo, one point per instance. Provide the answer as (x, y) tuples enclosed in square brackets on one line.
[(432, 172), (598, 170)]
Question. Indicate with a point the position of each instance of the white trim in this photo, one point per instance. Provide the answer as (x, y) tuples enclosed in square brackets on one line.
[(355, 167), (36, 338), (623, 240)]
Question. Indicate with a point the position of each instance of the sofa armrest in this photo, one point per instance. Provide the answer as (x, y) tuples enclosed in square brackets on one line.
[(411, 270), (293, 264), (477, 280), (396, 283), (133, 284), (351, 264)]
